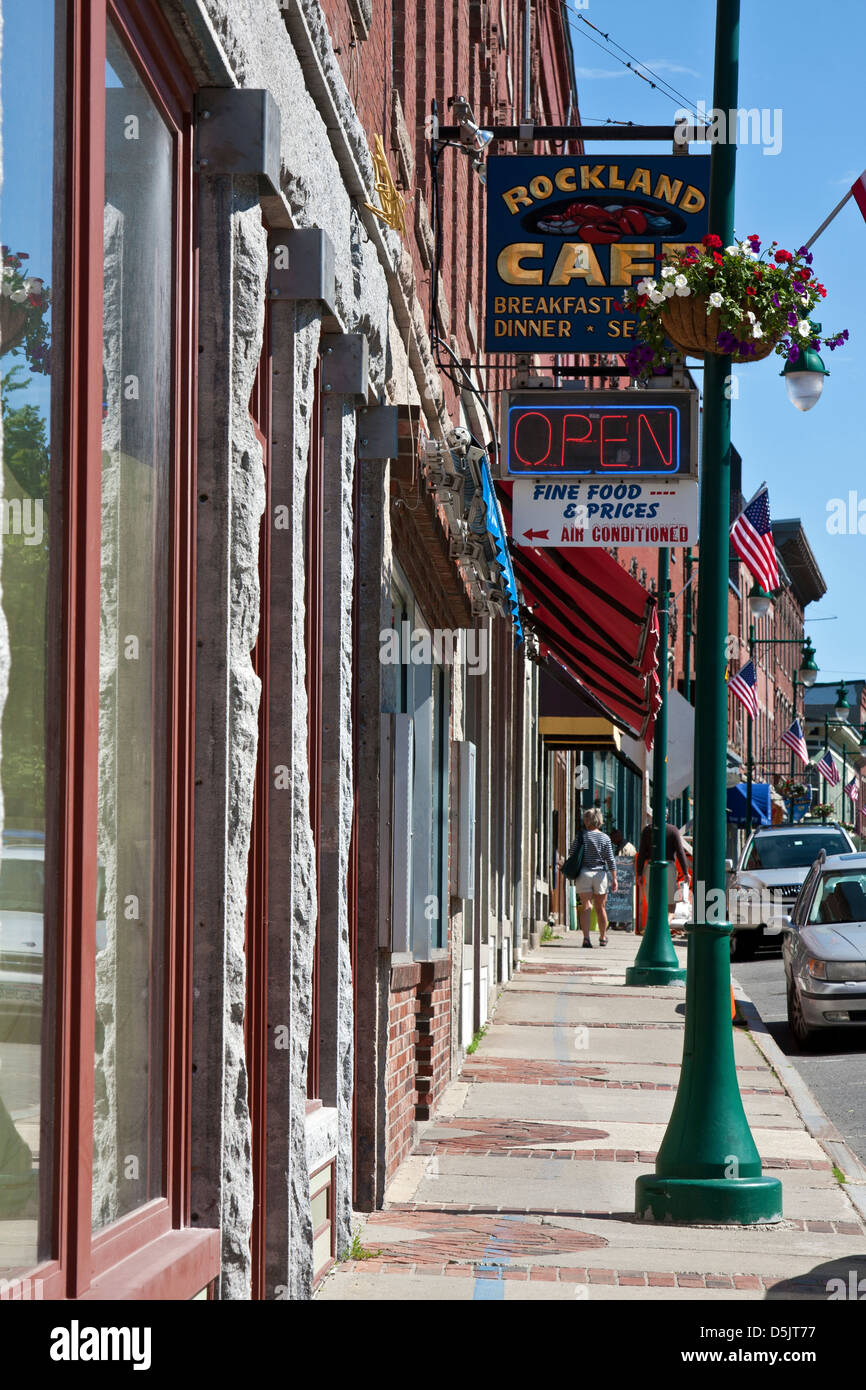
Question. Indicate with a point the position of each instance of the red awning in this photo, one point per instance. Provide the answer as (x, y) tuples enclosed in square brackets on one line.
[(597, 622)]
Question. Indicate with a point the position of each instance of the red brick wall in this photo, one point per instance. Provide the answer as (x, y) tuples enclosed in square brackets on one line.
[(419, 1052), (426, 49)]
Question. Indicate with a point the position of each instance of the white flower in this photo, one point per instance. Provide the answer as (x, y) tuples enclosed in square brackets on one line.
[(683, 289), (668, 271), (733, 249), (757, 331), (645, 286), (18, 296), (680, 281), (656, 297), (716, 300), (746, 248), (804, 328), (668, 290), (750, 316)]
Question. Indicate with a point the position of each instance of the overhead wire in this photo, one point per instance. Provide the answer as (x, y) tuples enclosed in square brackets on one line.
[(661, 85)]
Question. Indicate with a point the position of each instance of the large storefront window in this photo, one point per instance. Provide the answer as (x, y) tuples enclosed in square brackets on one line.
[(32, 52), (96, 644), (136, 444)]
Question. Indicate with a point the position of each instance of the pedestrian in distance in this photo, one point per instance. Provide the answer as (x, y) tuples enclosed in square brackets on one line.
[(677, 861), (592, 881)]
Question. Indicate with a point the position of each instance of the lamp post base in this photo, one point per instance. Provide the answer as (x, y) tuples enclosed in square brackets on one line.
[(655, 975), (708, 1201), (656, 962)]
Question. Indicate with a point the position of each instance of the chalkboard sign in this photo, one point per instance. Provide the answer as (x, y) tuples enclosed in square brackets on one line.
[(620, 905)]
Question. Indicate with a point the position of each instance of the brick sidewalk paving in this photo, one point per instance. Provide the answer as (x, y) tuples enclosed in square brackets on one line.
[(522, 1185)]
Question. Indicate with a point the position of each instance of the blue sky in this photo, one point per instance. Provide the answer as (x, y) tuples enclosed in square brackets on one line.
[(805, 60)]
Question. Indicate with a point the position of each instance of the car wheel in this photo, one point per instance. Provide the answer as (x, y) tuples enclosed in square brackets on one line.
[(803, 1035), (743, 945)]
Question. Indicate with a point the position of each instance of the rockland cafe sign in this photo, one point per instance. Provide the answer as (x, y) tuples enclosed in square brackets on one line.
[(566, 235)]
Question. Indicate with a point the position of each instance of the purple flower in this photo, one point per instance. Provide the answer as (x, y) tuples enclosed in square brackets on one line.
[(792, 319), (776, 300), (815, 343), (793, 352)]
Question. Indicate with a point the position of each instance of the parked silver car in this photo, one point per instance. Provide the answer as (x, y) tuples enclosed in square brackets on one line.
[(770, 874), (824, 948)]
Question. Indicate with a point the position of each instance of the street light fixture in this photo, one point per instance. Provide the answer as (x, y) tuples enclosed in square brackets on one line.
[(760, 602), (804, 379), (843, 708), (808, 673)]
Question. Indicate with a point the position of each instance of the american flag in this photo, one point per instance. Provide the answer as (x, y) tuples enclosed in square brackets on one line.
[(752, 538), (852, 789), (795, 740), (827, 768), (745, 686)]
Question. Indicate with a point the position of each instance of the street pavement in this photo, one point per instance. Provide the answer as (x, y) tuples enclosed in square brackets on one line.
[(522, 1185), (834, 1070)]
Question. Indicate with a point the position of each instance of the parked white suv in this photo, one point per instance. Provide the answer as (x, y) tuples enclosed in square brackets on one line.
[(770, 874)]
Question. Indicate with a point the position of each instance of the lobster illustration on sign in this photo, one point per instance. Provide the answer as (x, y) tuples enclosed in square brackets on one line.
[(593, 223)]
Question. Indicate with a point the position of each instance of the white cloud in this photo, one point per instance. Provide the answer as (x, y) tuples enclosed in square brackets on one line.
[(589, 73), (667, 65)]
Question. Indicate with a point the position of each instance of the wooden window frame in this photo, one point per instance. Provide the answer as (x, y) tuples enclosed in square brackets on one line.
[(159, 1256)]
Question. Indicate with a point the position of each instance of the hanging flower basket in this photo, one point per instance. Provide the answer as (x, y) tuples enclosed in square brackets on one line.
[(694, 329), (731, 302)]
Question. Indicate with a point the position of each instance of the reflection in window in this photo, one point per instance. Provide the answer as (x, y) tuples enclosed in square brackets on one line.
[(30, 268), (136, 436)]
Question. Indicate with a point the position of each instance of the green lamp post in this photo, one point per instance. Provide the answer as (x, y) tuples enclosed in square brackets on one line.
[(708, 1170), (656, 962)]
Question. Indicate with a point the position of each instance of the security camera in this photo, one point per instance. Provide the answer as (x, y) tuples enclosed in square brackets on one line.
[(459, 439)]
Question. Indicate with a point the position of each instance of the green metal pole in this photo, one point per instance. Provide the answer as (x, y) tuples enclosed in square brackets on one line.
[(708, 1170), (791, 761), (749, 744), (656, 962), (824, 779), (687, 658)]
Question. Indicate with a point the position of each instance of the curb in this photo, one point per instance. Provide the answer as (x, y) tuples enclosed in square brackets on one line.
[(816, 1121)]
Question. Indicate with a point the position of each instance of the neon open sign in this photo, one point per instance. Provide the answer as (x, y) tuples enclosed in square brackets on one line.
[(572, 434)]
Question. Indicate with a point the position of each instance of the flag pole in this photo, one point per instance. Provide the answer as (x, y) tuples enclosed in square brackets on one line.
[(827, 220)]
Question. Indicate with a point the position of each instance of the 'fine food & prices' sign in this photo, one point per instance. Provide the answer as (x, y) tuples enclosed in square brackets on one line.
[(605, 511), (570, 433), (566, 235)]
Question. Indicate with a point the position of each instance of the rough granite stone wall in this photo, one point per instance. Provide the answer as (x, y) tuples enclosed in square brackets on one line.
[(247, 500)]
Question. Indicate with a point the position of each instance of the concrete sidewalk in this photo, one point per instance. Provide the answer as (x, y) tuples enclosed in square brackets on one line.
[(522, 1187)]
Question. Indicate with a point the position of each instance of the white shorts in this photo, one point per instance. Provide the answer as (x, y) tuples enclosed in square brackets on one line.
[(591, 883)]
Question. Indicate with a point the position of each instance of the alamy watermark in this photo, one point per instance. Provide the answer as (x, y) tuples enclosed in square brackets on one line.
[(755, 126), (22, 516), (846, 516), (441, 646)]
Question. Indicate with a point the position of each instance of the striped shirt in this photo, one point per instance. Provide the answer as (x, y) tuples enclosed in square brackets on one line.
[(597, 852)]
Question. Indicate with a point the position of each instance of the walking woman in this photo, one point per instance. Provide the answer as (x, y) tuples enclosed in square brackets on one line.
[(592, 881)]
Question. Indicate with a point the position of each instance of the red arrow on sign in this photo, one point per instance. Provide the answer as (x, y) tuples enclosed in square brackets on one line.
[(531, 535)]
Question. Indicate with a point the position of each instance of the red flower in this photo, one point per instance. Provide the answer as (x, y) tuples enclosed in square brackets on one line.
[(803, 273), (782, 257), (750, 290), (759, 274), (717, 258), (711, 240), (641, 300)]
